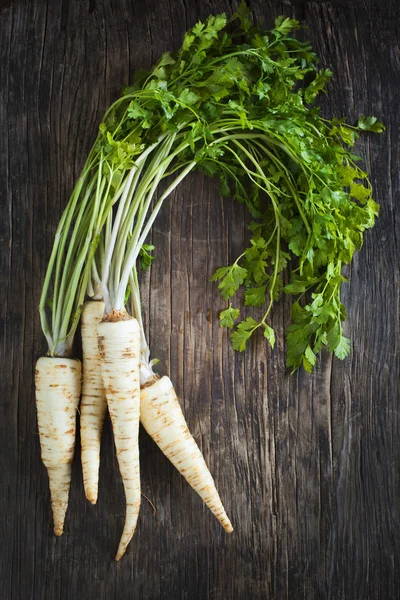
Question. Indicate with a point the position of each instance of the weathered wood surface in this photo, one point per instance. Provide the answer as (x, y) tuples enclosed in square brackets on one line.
[(308, 466)]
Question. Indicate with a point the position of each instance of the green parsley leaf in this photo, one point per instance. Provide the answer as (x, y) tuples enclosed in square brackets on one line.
[(334, 336), (255, 296), (188, 97), (145, 257), (269, 333), (343, 348), (228, 316), (243, 332), (243, 14), (370, 124), (284, 25), (232, 278), (318, 85), (297, 287), (310, 356)]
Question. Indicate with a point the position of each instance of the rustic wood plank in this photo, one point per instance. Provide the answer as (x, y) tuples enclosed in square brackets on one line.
[(365, 388), (308, 466)]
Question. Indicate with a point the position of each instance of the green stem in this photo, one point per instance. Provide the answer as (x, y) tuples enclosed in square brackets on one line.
[(70, 211), (134, 249), (137, 313), (117, 246), (276, 271), (66, 267)]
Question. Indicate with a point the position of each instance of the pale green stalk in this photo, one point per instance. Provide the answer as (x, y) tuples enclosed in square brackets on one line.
[(134, 248)]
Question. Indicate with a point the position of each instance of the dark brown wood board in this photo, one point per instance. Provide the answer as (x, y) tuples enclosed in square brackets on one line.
[(308, 466)]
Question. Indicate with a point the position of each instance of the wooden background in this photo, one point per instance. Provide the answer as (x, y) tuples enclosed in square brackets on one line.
[(308, 466)]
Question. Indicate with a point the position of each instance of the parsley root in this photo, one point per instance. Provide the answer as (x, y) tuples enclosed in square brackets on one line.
[(58, 387), (162, 418), (119, 345), (93, 402)]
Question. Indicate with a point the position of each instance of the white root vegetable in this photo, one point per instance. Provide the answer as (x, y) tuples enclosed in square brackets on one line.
[(58, 386), (119, 345), (93, 402), (162, 417)]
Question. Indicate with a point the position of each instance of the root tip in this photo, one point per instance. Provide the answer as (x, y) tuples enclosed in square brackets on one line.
[(91, 495), (120, 552)]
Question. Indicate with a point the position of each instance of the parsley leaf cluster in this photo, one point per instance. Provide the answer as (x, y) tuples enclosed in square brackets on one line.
[(240, 102)]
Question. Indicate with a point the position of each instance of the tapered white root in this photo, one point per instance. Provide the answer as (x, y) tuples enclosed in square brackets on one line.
[(119, 345), (93, 403), (162, 417), (58, 386)]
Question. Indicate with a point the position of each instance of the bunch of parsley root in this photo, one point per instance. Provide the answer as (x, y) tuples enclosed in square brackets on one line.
[(236, 102)]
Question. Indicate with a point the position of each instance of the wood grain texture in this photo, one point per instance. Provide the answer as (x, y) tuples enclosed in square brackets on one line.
[(308, 466)]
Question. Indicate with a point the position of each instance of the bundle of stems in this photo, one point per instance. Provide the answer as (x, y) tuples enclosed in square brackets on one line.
[(229, 104)]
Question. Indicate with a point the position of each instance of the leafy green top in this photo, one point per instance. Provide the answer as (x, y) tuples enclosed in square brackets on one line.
[(235, 101), (238, 102)]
